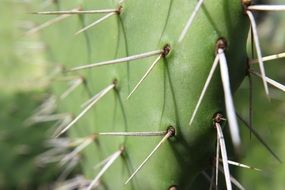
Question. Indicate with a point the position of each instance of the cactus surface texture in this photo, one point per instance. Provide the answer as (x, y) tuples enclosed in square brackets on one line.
[(135, 77)]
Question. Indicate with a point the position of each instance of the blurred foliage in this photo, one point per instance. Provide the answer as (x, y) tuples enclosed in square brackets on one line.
[(268, 116), (19, 145), (21, 57), (23, 85)]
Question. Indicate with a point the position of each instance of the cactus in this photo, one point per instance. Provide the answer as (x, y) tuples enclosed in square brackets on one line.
[(136, 71)]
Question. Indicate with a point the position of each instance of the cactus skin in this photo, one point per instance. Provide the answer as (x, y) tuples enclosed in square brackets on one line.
[(166, 98)]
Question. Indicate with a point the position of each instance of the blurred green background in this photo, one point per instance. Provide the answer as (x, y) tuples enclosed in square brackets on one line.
[(24, 84), (23, 87)]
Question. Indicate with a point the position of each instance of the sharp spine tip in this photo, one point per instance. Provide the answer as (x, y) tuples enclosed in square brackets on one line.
[(140, 134), (190, 20), (108, 163), (205, 87), (77, 12), (119, 60), (98, 96), (95, 23), (170, 133), (145, 75)]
